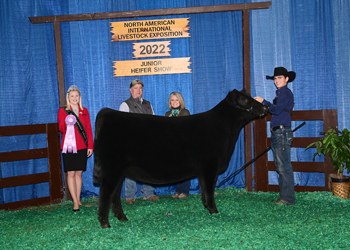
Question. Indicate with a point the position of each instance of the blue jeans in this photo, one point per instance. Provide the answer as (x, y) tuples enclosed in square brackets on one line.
[(281, 139), (131, 190), (183, 187)]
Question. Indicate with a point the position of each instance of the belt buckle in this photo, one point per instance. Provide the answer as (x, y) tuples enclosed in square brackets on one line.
[(277, 127)]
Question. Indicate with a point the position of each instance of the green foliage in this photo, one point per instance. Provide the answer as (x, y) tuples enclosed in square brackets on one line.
[(336, 144)]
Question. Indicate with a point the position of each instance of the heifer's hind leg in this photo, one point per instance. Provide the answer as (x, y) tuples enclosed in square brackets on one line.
[(107, 189), (116, 203), (201, 186), (207, 185)]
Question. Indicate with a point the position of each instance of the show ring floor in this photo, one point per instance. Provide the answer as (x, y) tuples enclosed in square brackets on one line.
[(246, 220)]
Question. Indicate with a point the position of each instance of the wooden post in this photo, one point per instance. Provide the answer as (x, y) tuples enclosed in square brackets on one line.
[(61, 85), (261, 180), (54, 162), (59, 63), (246, 86)]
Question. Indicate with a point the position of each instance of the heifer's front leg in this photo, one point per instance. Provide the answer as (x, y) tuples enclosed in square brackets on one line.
[(104, 202), (207, 185), (116, 203)]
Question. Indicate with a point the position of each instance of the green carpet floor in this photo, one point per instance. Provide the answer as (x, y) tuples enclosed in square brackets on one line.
[(246, 220)]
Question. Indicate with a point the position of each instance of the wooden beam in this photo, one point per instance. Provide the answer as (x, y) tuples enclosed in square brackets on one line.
[(275, 188), (310, 115), (308, 167), (24, 180), (23, 130), (22, 155), (246, 86), (299, 142), (17, 205), (155, 12), (59, 63)]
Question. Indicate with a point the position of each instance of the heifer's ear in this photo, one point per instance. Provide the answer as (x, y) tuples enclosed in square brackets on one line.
[(232, 95), (245, 93)]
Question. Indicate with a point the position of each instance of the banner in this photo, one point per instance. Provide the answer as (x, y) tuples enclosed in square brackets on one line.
[(152, 67), (151, 49), (150, 29)]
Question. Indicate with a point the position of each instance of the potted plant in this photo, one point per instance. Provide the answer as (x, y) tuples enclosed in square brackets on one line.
[(336, 144)]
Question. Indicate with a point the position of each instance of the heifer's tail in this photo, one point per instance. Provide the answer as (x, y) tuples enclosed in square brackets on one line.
[(97, 173)]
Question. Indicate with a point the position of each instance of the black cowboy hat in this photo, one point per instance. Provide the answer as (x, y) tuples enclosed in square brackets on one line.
[(280, 71)]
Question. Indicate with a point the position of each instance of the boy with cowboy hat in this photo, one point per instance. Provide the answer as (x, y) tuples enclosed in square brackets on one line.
[(281, 133)]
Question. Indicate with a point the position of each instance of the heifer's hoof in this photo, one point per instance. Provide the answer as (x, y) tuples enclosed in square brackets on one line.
[(121, 217), (106, 226), (213, 211), (104, 223)]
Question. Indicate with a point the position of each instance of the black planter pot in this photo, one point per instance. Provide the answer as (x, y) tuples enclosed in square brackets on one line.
[(340, 180)]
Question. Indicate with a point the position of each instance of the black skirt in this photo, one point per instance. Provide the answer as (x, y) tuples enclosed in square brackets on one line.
[(75, 162)]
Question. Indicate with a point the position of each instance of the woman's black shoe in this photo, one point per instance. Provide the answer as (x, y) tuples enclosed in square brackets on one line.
[(76, 210)]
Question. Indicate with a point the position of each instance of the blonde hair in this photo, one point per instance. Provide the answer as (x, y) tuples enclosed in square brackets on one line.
[(179, 97), (70, 89)]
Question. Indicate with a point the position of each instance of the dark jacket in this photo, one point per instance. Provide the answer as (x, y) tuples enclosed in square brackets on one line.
[(183, 112), (138, 107)]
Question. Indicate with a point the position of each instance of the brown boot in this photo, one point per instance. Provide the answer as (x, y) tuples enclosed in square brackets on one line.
[(152, 198), (176, 195), (130, 201), (280, 203), (182, 196)]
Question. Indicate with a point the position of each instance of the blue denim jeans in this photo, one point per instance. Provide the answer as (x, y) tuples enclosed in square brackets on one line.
[(131, 190), (281, 139), (183, 187)]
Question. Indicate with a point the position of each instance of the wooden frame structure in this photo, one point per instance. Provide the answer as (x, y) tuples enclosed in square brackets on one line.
[(244, 7), (263, 165), (52, 152)]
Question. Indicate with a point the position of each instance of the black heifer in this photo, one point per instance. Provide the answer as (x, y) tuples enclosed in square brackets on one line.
[(161, 150)]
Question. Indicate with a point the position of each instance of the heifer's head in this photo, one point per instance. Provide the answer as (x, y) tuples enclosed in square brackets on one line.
[(243, 101)]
